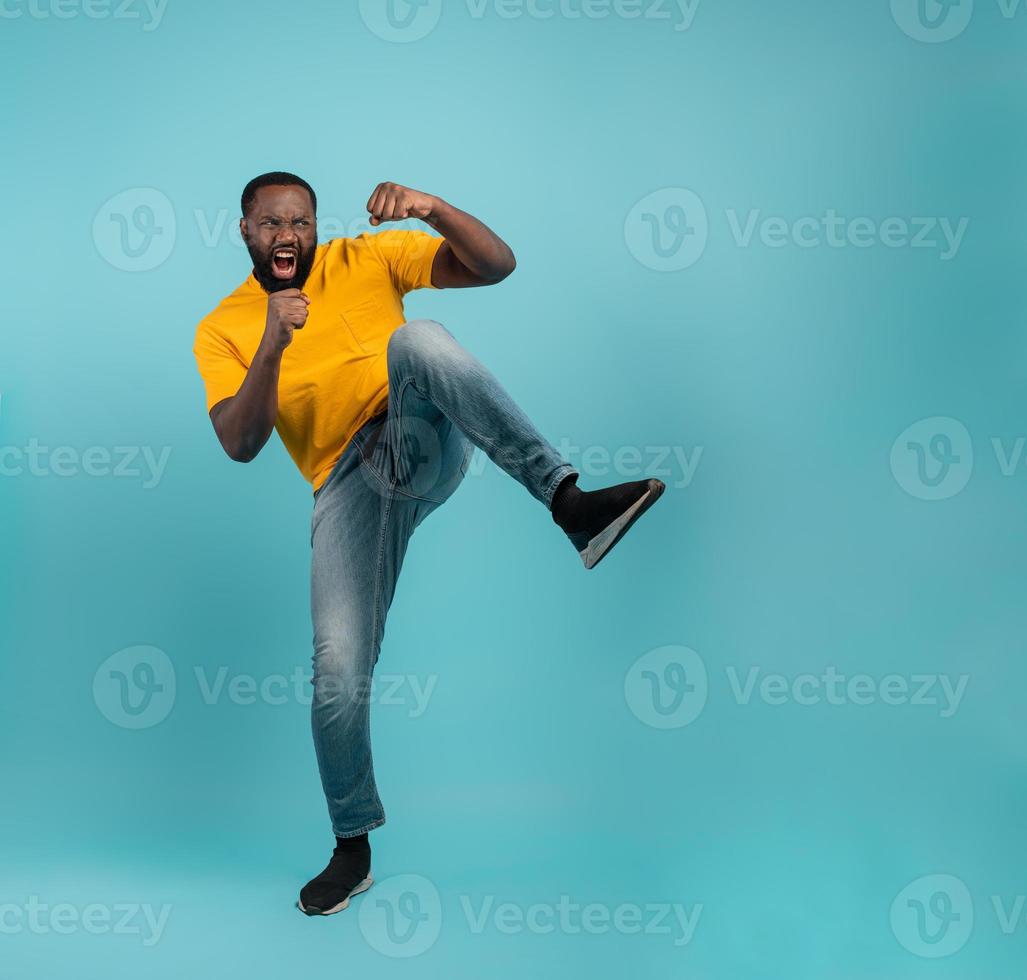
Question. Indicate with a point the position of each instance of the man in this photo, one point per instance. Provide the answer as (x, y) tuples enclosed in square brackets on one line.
[(382, 417)]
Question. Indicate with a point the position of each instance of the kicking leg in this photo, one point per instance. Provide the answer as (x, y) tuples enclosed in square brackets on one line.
[(427, 362)]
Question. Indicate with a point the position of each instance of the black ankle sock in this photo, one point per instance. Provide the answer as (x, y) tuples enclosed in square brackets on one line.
[(351, 859), (565, 496), (353, 844), (591, 511)]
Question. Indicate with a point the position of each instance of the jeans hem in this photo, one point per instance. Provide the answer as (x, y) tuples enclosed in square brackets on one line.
[(561, 474), (362, 830)]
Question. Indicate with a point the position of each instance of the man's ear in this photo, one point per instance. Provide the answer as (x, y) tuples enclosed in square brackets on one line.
[(242, 228)]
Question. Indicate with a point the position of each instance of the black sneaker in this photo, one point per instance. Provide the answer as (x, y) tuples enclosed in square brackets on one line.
[(596, 520), (348, 874)]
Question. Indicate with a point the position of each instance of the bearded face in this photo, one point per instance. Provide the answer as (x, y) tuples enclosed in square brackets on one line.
[(280, 232)]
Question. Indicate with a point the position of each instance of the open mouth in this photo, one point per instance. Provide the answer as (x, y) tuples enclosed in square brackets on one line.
[(283, 263)]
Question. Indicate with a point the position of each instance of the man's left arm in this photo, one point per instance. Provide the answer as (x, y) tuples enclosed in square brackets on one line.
[(471, 253)]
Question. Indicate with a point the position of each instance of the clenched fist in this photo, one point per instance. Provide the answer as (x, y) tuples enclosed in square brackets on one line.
[(394, 202), (286, 312)]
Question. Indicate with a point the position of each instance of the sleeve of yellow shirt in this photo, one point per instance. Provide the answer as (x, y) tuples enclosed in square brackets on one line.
[(409, 256), (222, 371)]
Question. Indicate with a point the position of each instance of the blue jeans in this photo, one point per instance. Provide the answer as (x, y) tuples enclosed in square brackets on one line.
[(397, 469)]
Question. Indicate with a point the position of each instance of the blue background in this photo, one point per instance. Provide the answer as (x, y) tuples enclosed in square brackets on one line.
[(797, 546)]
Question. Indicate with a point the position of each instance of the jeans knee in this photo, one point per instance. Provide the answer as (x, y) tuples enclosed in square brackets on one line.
[(416, 332), (419, 338), (429, 346), (342, 673)]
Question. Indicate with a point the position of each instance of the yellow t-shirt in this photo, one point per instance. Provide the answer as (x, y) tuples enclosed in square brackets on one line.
[(334, 374)]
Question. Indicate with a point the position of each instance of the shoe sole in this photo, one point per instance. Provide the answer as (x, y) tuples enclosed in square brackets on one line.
[(601, 545), (362, 887)]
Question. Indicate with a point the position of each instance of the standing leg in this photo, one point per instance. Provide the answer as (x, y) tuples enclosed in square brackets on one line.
[(360, 530), (359, 537)]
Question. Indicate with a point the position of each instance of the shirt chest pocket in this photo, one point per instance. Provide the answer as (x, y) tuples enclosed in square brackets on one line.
[(368, 323)]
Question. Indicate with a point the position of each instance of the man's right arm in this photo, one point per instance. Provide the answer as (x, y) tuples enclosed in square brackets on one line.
[(244, 422)]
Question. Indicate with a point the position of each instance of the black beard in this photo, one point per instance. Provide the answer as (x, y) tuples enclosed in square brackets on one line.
[(269, 281)]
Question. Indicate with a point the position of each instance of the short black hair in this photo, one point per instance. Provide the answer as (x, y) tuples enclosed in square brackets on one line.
[(277, 178)]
